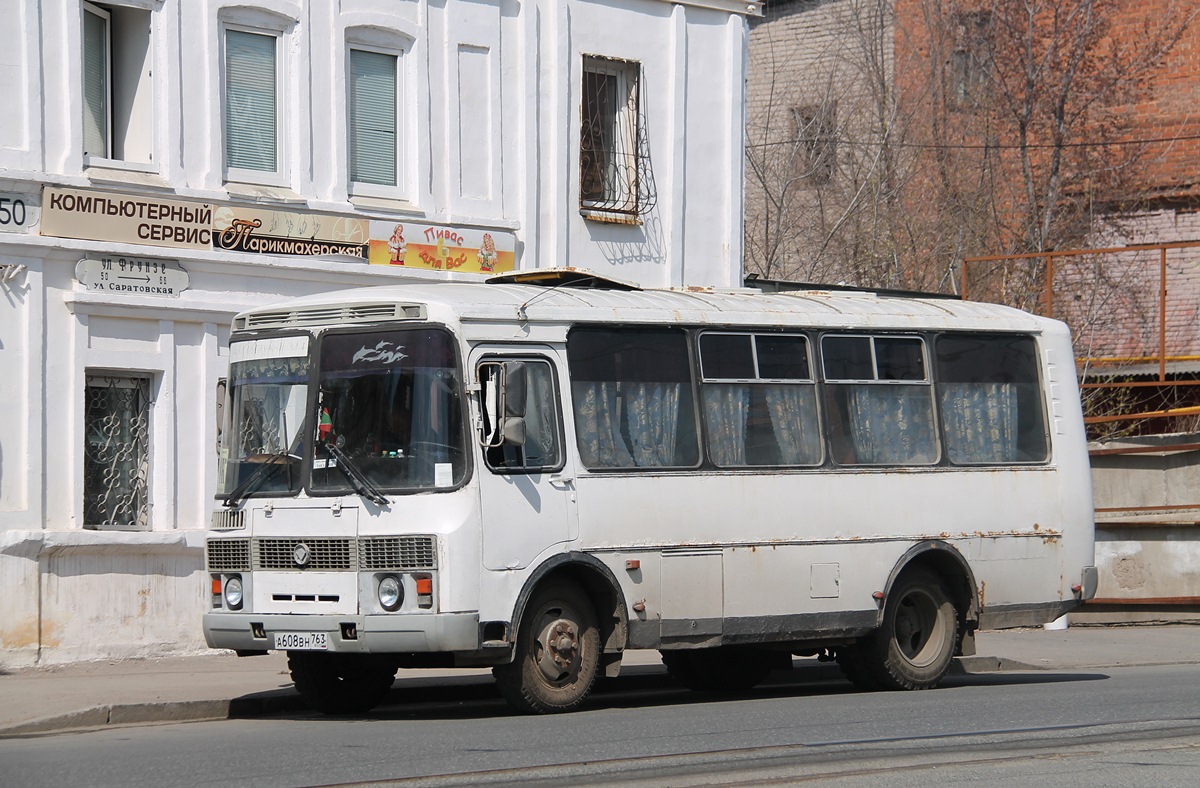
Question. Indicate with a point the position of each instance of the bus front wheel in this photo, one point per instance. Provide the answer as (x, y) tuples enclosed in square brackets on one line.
[(557, 653), (914, 646), (341, 683)]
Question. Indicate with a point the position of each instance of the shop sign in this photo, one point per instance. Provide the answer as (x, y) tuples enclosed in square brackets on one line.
[(264, 231), (132, 276), (18, 212), (442, 248), (124, 218)]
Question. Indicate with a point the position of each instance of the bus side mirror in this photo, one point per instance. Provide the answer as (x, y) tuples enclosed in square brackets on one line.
[(513, 432), (502, 387)]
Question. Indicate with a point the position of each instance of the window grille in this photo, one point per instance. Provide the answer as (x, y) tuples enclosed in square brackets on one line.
[(614, 159), (116, 452)]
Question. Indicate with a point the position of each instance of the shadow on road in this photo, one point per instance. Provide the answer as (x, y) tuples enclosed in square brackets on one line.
[(476, 697)]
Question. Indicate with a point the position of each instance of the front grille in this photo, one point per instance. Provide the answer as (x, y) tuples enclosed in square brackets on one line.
[(397, 552), (330, 315), (326, 555), (228, 555), (226, 520)]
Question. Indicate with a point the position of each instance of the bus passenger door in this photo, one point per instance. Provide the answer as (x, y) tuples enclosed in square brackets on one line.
[(526, 481)]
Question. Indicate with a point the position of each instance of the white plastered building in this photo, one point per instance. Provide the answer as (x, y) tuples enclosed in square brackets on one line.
[(164, 164)]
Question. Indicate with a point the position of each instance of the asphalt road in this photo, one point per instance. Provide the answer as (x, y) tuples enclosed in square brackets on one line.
[(1118, 727)]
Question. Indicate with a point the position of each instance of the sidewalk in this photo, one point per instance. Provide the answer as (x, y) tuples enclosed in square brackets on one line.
[(220, 685)]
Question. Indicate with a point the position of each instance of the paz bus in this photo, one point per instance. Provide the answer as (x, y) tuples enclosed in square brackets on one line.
[(539, 472)]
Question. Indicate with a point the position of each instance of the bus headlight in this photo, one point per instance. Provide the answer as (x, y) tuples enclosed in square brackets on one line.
[(233, 592), (391, 593)]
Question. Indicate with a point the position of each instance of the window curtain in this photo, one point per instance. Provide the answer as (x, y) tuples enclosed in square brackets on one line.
[(793, 412), (597, 427), (726, 406), (250, 98), (372, 117), (652, 412), (980, 421), (891, 425), (540, 448)]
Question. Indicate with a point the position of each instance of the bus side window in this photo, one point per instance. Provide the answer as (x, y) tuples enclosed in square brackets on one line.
[(525, 437)]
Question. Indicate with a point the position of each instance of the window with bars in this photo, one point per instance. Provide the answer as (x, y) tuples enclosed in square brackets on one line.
[(116, 452), (614, 164), (371, 114), (116, 83), (252, 103)]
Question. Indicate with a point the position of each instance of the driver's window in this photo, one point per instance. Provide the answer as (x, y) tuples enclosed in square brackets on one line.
[(522, 424)]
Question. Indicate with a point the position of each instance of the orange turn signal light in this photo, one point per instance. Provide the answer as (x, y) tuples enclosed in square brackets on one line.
[(424, 585)]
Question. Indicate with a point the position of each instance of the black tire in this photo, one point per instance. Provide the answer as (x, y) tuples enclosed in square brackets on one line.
[(725, 669), (914, 646), (557, 654), (856, 666), (341, 683)]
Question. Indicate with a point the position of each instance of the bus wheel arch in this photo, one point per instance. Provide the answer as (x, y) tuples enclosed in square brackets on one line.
[(927, 610), (569, 615)]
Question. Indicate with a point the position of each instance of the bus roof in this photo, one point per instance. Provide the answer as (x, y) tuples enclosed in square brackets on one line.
[(504, 302)]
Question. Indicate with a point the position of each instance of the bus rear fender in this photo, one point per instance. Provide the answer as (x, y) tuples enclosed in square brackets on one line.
[(602, 589), (948, 563)]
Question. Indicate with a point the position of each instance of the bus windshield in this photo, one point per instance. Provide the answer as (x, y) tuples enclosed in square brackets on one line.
[(268, 383), (389, 412)]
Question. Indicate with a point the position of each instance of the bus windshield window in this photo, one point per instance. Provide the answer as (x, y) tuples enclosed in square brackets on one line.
[(268, 385), (990, 400), (391, 402), (632, 396)]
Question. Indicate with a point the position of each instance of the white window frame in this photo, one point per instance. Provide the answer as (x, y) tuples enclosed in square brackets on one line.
[(129, 134), (625, 201), (278, 176), (396, 190)]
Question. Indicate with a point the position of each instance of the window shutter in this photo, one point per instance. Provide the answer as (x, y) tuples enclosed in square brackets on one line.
[(372, 114), (250, 101), (95, 84)]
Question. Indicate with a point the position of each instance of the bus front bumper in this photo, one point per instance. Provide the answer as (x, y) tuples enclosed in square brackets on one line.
[(384, 634)]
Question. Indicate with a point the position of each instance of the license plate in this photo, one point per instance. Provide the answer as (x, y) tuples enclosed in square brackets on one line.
[(302, 641)]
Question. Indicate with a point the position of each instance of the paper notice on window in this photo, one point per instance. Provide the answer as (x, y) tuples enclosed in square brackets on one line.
[(443, 474)]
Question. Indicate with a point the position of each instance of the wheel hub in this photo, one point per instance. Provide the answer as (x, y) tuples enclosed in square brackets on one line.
[(559, 648)]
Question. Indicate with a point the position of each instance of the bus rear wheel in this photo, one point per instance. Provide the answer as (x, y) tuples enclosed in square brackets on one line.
[(915, 645), (341, 683), (557, 654)]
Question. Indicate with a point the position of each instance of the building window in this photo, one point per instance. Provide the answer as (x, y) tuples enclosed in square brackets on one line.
[(117, 101), (116, 452), (814, 131), (251, 104), (371, 114), (614, 171), (970, 63)]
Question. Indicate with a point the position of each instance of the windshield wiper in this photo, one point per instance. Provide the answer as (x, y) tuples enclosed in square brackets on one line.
[(358, 480), (269, 467)]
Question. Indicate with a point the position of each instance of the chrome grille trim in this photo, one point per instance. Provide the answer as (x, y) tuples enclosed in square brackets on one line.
[(227, 555), (327, 555), (397, 552), (225, 520)]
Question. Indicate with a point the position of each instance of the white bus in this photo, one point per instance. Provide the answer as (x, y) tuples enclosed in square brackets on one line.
[(538, 473)]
